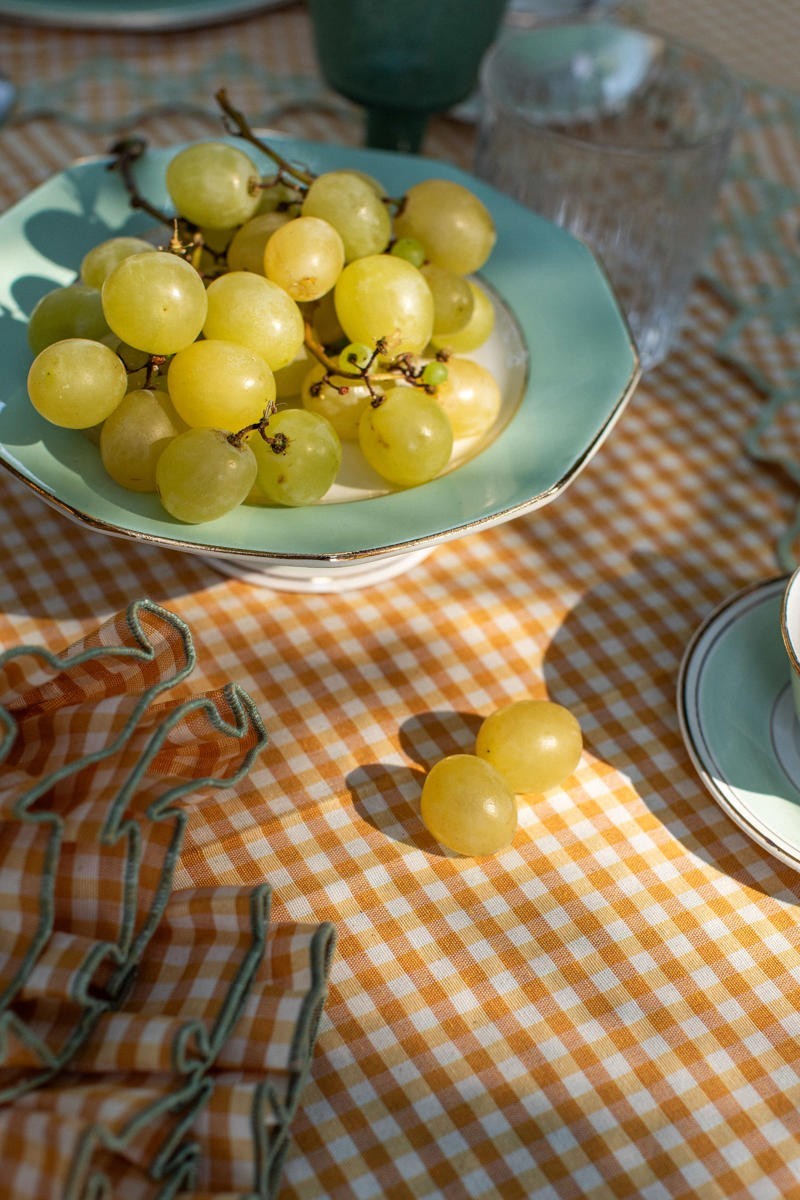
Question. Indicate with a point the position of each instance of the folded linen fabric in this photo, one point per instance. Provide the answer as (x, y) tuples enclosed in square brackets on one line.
[(152, 1041)]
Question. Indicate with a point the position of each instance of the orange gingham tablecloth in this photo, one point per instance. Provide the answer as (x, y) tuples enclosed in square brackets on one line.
[(609, 1008)]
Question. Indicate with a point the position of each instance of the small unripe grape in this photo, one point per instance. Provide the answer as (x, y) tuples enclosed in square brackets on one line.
[(409, 249), (534, 744), (467, 806)]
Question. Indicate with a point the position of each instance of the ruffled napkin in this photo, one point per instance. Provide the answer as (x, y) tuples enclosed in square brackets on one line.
[(153, 1042)]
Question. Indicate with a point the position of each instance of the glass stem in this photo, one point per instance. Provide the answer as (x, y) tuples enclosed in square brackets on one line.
[(396, 129)]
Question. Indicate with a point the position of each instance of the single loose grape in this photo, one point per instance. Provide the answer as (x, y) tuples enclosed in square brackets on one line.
[(470, 395), (407, 437), (67, 312), (213, 184), (355, 356), (534, 744), (477, 329), (467, 806), (383, 297), (201, 475), (301, 459), (453, 225), (155, 302), (76, 383), (304, 257)]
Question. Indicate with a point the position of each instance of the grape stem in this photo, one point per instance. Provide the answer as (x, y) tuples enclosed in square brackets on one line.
[(238, 125), (126, 153), (402, 366)]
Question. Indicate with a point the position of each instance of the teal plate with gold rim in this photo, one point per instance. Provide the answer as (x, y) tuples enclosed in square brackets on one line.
[(737, 717), (561, 348)]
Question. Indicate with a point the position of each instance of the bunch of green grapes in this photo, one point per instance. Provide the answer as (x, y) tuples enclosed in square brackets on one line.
[(283, 316), (469, 801)]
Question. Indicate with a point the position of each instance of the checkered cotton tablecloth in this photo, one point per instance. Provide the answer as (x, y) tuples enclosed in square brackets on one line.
[(611, 1007)]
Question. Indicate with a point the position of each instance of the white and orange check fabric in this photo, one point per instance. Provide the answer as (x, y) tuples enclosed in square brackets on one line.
[(609, 1009), (151, 1039)]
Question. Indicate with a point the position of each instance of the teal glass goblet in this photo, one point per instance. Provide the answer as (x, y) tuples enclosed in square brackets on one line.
[(403, 60)]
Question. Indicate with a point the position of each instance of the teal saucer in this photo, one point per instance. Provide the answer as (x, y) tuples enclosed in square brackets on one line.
[(737, 717)]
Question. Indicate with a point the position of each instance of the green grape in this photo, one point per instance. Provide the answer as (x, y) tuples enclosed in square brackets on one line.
[(534, 744), (385, 297), (356, 356), (135, 434), (454, 226), (470, 396), (477, 329), (353, 207), (304, 257), (254, 312), (409, 249), (407, 438), (201, 475), (341, 401), (76, 383), (67, 312), (98, 263), (467, 806), (434, 373), (220, 385), (302, 459), (246, 248), (452, 299), (213, 184), (155, 302)]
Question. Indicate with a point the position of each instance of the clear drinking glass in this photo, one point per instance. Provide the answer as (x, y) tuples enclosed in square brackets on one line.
[(622, 136)]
